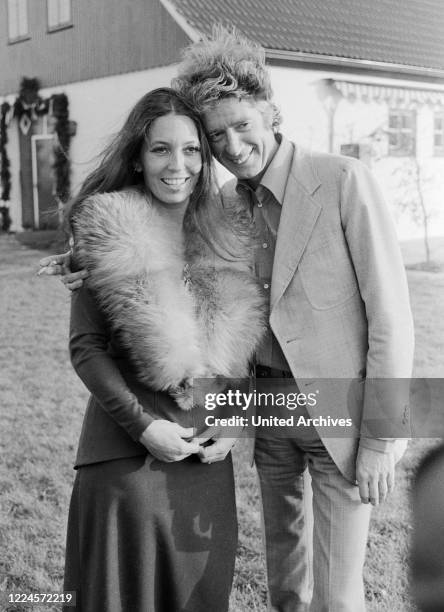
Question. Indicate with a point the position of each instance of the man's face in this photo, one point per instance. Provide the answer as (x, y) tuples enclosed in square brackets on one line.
[(241, 136)]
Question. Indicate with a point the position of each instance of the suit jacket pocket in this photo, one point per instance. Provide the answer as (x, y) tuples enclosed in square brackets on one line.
[(327, 274)]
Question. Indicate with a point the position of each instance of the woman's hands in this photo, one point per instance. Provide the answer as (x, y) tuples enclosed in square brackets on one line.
[(54, 265), (216, 451), (167, 441), (223, 439)]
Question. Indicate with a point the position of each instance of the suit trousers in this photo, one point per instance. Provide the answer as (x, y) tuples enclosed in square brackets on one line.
[(315, 537)]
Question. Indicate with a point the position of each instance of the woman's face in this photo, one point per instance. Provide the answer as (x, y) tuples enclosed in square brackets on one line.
[(171, 159)]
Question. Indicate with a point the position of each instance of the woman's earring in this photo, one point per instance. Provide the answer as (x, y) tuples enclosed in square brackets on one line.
[(137, 167)]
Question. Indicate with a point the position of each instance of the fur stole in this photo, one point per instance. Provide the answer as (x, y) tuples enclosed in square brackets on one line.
[(179, 310)]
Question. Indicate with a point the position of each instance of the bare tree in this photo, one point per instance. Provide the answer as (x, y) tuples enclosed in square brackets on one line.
[(413, 185)]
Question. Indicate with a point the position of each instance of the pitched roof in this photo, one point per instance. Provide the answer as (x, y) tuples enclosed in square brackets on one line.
[(407, 32)]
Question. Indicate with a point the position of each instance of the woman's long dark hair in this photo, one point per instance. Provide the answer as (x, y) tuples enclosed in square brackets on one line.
[(116, 169)]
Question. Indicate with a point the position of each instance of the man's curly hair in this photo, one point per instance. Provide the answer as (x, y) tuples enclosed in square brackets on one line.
[(223, 65)]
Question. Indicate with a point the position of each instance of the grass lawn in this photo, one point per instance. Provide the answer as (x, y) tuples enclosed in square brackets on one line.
[(42, 404)]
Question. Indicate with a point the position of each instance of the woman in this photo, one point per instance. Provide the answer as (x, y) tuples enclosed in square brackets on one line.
[(169, 299)]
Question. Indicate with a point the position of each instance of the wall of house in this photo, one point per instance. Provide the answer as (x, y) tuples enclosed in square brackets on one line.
[(107, 37), (307, 121)]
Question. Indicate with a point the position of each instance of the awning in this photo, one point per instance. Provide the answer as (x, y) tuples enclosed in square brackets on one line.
[(399, 97)]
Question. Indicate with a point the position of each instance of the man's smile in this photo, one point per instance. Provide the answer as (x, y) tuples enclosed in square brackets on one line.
[(238, 161)]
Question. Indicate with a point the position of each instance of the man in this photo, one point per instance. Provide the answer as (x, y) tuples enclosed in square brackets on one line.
[(339, 308), (327, 255)]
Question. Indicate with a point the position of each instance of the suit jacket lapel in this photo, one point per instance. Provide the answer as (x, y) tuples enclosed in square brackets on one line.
[(298, 217)]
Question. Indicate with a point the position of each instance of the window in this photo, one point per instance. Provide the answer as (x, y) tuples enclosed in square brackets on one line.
[(402, 132), (438, 133), (59, 14), (17, 20)]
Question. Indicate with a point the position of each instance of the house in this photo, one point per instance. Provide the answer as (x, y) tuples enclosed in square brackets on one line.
[(365, 79)]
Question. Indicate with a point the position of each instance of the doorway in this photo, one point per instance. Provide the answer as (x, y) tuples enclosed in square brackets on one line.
[(46, 210)]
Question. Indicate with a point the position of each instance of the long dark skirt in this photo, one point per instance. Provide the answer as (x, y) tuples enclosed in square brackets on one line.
[(148, 536)]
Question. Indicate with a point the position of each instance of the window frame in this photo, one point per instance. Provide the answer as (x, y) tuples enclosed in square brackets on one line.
[(60, 25), (438, 150), (20, 37), (401, 132)]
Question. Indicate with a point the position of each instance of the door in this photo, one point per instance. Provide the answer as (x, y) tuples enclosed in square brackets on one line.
[(46, 212)]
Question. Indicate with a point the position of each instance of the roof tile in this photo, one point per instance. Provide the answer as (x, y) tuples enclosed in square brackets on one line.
[(406, 32)]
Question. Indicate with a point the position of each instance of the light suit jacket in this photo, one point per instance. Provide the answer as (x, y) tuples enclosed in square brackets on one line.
[(339, 299)]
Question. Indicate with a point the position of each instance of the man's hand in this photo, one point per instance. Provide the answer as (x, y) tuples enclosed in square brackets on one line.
[(55, 264), (74, 280), (166, 441), (222, 444), (375, 473), (61, 265)]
